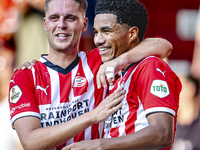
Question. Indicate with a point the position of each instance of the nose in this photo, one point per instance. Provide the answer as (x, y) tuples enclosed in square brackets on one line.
[(61, 23), (99, 39)]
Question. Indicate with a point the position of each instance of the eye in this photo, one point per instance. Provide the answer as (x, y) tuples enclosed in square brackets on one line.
[(95, 32), (106, 31), (71, 18), (53, 17)]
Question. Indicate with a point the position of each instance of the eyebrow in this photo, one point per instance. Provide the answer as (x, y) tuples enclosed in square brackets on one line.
[(103, 28), (68, 15)]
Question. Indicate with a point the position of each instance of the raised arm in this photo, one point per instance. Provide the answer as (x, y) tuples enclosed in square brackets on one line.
[(33, 137), (149, 47)]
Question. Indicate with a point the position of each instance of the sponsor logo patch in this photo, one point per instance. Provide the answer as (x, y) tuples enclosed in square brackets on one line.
[(20, 107), (79, 81), (15, 94), (159, 88)]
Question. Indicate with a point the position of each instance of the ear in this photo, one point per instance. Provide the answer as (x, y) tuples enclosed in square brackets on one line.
[(133, 33), (85, 25), (44, 22)]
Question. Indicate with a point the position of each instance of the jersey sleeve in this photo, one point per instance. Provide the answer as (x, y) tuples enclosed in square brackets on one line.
[(22, 99), (158, 87)]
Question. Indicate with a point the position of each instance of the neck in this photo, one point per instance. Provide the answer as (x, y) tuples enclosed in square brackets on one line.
[(132, 46), (62, 59)]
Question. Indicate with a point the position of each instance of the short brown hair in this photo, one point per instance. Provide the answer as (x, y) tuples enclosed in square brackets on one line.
[(83, 4)]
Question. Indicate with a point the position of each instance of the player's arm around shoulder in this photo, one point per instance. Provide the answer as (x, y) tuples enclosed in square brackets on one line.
[(148, 47)]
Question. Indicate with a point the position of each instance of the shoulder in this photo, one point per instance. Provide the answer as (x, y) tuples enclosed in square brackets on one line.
[(93, 51), (155, 68), (92, 56), (153, 59), (25, 76), (154, 63), (20, 74)]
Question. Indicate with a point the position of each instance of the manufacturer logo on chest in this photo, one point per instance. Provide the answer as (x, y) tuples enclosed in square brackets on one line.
[(79, 81)]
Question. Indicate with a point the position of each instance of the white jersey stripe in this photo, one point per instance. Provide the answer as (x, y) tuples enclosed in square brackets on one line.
[(70, 141), (33, 72), (141, 121), (25, 114), (125, 110), (55, 87), (74, 72), (89, 75), (88, 133), (160, 109)]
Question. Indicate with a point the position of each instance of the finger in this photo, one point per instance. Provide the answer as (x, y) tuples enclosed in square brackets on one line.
[(116, 107), (103, 80), (117, 104), (110, 72), (116, 97), (110, 81), (23, 67), (120, 91), (34, 61), (98, 81), (15, 69), (66, 148), (26, 65), (110, 75)]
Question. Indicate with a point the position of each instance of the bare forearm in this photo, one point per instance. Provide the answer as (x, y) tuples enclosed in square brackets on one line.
[(33, 137), (51, 137), (146, 139), (148, 47)]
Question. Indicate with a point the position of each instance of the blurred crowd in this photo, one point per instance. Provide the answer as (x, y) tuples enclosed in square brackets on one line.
[(22, 38)]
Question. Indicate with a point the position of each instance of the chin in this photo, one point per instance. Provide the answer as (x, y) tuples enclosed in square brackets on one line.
[(106, 59)]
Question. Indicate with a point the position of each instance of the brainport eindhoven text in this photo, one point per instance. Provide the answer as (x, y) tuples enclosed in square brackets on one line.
[(57, 115)]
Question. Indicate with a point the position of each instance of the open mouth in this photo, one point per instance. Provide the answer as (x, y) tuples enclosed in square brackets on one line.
[(104, 49), (61, 35)]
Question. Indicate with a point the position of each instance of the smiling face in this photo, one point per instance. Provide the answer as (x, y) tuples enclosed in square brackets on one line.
[(111, 38), (64, 22)]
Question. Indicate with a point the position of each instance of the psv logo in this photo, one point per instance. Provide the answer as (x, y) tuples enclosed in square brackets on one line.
[(159, 88), (79, 81)]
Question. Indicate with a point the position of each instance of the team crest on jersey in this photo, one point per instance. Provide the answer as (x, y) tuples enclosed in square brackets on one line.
[(159, 88), (15, 94), (79, 81)]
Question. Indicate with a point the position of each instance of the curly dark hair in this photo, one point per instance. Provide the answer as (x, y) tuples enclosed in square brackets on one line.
[(130, 12)]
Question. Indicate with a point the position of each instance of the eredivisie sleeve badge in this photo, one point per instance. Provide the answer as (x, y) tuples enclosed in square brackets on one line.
[(15, 94)]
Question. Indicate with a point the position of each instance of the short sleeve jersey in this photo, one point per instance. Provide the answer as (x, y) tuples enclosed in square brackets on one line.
[(56, 95), (151, 87)]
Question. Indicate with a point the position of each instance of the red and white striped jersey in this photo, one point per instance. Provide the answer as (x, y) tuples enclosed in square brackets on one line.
[(56, 95), (151, 87)]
